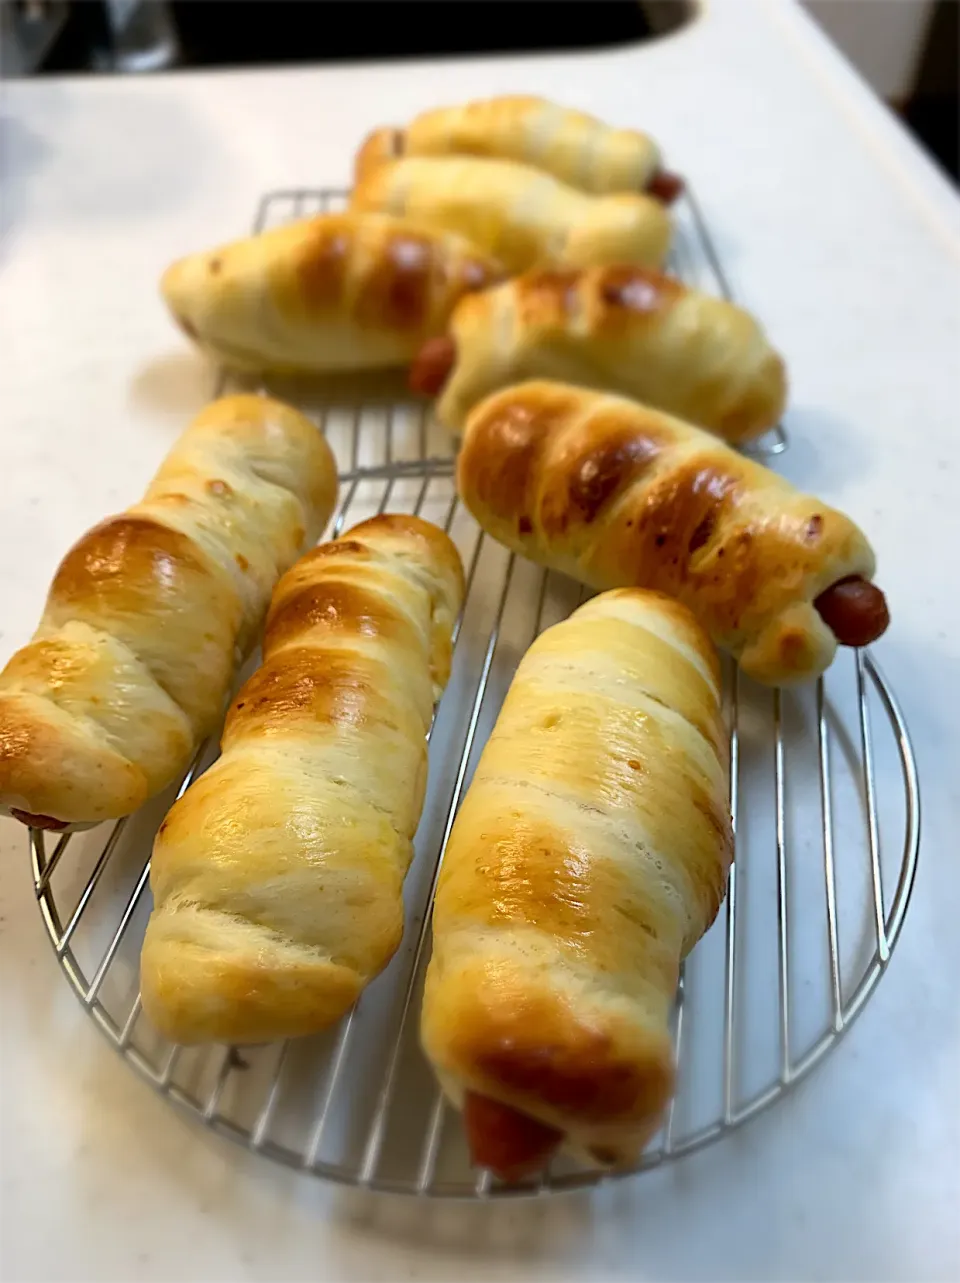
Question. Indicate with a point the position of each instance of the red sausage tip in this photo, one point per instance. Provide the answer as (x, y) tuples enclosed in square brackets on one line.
[(510, 1143), (665, 187), (855, 610), (38, 821), (432, 365)]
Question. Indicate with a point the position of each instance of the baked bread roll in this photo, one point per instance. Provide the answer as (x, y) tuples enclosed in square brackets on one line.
[(150, 613), (572, 146), (337, 292), (620, 329), (519, 215), (277, 877), (589, 856), (616, 494)]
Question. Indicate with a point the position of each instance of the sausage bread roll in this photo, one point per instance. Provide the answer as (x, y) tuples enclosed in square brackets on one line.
[(589, 856), (616, 494), (150, 613), (337, 292), (277, 877), (519, 215), (620, 329), (572, 146)]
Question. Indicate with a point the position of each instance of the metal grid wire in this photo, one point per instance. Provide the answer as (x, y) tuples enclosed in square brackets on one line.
[(825, 804)]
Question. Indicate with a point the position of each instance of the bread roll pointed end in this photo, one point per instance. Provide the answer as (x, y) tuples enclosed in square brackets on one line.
[(378, 147)]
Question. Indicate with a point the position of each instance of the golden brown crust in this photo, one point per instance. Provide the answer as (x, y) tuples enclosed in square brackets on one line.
[(331, 605), (133, 567), (378, 147), (617, 494), (619, 328), (574, 147), (632, 292), (301, 687), (149, 553), (399, 529), (519, 215), (33, 743), (400, 294), (150, 611), (320, 267), (531, 1050), (589, 855), (340, 291), (278, 876)]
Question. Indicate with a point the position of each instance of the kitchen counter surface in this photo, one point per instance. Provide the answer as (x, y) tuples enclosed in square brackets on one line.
[(846, 240)]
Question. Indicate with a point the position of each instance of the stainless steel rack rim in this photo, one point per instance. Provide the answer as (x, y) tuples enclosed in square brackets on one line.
[(426, 469)]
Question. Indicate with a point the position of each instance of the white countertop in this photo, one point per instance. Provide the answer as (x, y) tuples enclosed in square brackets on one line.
[(840, 234)]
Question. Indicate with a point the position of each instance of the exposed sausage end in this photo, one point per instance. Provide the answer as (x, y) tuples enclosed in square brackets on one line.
[(511, 1144), (855, 610), (432, 365), (665, 187), (38, 821)]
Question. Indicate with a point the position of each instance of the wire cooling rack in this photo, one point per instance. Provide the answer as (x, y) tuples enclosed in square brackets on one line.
[(824, 798)]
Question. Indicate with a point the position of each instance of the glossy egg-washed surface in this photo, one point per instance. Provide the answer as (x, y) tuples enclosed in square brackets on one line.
[(335, 292), (277, 877), (573, 146), (616, 494), (150, 612), (588, 857), (520, 216), (623, 329)]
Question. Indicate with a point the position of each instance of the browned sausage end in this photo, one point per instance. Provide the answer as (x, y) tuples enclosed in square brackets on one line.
[(38, 821), (665, 187), (432, 365), (855, 610), (511, 1144)]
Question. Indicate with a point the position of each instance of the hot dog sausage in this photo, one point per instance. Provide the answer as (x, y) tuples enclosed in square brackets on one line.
[(38, 821), (512, 1145), (432, 366), (666, 187), (855, 610)]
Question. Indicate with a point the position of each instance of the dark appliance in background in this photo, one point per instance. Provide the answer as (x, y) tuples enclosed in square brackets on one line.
[(140, 35), (335, 30)]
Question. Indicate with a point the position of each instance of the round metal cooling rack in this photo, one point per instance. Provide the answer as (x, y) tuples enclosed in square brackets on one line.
[(825, 803), (358, 1106)]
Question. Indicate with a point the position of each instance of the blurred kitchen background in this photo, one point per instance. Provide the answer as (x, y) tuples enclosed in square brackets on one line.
[(907, 50)]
